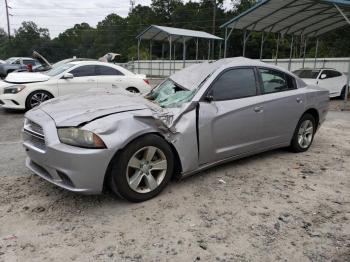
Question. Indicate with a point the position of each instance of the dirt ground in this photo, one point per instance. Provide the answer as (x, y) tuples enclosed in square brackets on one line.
[(276, 206)]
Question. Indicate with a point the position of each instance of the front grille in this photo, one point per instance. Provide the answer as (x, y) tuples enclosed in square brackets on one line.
[(34, 134)]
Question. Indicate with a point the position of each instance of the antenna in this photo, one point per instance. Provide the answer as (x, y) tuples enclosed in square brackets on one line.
[(132, 5)]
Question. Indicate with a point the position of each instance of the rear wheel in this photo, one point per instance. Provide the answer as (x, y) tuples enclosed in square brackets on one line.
[(36, 98), (142, 169), (304, 134), (342, 94)]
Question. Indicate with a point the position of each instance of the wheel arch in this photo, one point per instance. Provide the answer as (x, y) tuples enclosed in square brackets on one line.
[(314, 113), (177, 161), (37, 90)]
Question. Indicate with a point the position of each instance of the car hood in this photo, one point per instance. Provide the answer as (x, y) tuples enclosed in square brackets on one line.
[(41, 59), (79, 109), (26, 77)]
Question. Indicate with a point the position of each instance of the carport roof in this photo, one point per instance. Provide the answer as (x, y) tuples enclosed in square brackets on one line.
[(161, 33), (300, 17)]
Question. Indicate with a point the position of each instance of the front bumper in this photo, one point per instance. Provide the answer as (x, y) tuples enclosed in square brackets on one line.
[(11, 102), (72, 168)]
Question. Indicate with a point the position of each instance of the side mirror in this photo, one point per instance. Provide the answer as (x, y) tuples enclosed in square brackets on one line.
[(209, 98), (67, 76), (323, 76)]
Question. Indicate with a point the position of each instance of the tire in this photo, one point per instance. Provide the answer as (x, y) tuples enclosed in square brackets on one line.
[(40, 95), (132, 175), (342, 94), (304, 134), (133, 90)]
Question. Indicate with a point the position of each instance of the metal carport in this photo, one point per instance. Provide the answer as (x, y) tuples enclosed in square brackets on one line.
[(172, 36), (304, 18)]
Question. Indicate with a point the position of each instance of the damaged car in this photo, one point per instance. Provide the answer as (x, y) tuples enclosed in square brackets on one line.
[(200, 117), (36, 63)]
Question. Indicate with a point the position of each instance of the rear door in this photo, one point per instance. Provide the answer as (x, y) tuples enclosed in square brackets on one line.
[(84, 79), (110, 77), (283, 105), (331, 80), (230, 117)]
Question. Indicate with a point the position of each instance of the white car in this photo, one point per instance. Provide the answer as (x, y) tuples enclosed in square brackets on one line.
[(330, 79), (27, 90)]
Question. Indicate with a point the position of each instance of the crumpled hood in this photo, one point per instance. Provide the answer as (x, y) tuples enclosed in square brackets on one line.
[(75, 110), (26, 77)]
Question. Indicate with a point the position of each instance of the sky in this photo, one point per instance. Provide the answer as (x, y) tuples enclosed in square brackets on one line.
[(59, 15)]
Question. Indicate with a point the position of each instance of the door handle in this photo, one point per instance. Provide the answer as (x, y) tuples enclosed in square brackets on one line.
[(91, 80), (259, 109), (299, 100)]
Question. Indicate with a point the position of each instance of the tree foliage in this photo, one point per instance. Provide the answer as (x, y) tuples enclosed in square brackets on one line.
[(118, 34)]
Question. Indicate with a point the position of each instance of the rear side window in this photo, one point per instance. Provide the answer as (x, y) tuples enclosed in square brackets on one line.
[(275, 81), (234, 84), (107, 71), (330, 74), (81, 71)]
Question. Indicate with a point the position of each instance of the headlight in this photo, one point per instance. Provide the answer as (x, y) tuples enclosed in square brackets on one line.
[(80, 138), (14, 89)]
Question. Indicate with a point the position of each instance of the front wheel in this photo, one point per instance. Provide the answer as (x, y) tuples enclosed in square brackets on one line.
[(142, 169), (36, 98), (304, 134)]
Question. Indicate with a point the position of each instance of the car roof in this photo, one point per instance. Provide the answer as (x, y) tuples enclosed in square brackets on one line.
[(20, 57), (192, 76)]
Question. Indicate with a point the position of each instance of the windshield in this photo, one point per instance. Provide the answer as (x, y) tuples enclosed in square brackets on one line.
[(10, 60), (169, 94), (310, 74), (59, 69)]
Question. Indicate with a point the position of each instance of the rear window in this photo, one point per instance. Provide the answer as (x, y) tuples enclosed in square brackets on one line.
[(309, 74)]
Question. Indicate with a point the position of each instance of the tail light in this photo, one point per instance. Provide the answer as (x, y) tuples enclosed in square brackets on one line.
[(146, 81)]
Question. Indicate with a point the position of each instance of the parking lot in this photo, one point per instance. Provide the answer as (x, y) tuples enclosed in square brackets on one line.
[(273, 206)]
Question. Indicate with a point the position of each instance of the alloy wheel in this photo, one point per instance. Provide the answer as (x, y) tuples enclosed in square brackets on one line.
[(146, 169), (38, 98), (305, 134)]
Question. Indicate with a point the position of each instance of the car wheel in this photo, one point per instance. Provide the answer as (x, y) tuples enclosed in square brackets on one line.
[(36, 98), (342, 94), (133, 90), (304, 134), (142, 169)]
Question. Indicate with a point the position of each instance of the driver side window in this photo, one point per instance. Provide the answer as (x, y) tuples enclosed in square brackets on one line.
[(81, 71), (234, 84)]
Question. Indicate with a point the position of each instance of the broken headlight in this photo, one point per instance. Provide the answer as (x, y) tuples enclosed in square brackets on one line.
[(80, 138)]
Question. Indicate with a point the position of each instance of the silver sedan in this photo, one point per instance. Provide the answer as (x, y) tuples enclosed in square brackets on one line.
[(202, 116)]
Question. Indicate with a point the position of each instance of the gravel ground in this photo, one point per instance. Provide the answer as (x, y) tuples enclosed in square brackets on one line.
[(276, 206)]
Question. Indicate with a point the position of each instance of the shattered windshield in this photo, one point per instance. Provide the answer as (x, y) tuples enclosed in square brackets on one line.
[(169, 94)]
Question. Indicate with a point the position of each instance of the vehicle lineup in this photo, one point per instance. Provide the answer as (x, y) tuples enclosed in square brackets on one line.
[(25, 90), (204, 115), (332, 80)]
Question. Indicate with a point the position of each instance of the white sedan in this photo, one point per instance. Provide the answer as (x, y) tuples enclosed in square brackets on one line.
[(27, 90), (330, 79)]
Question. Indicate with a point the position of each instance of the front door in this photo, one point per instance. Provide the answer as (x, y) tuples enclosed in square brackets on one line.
[(84, 79), (230, 118)]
